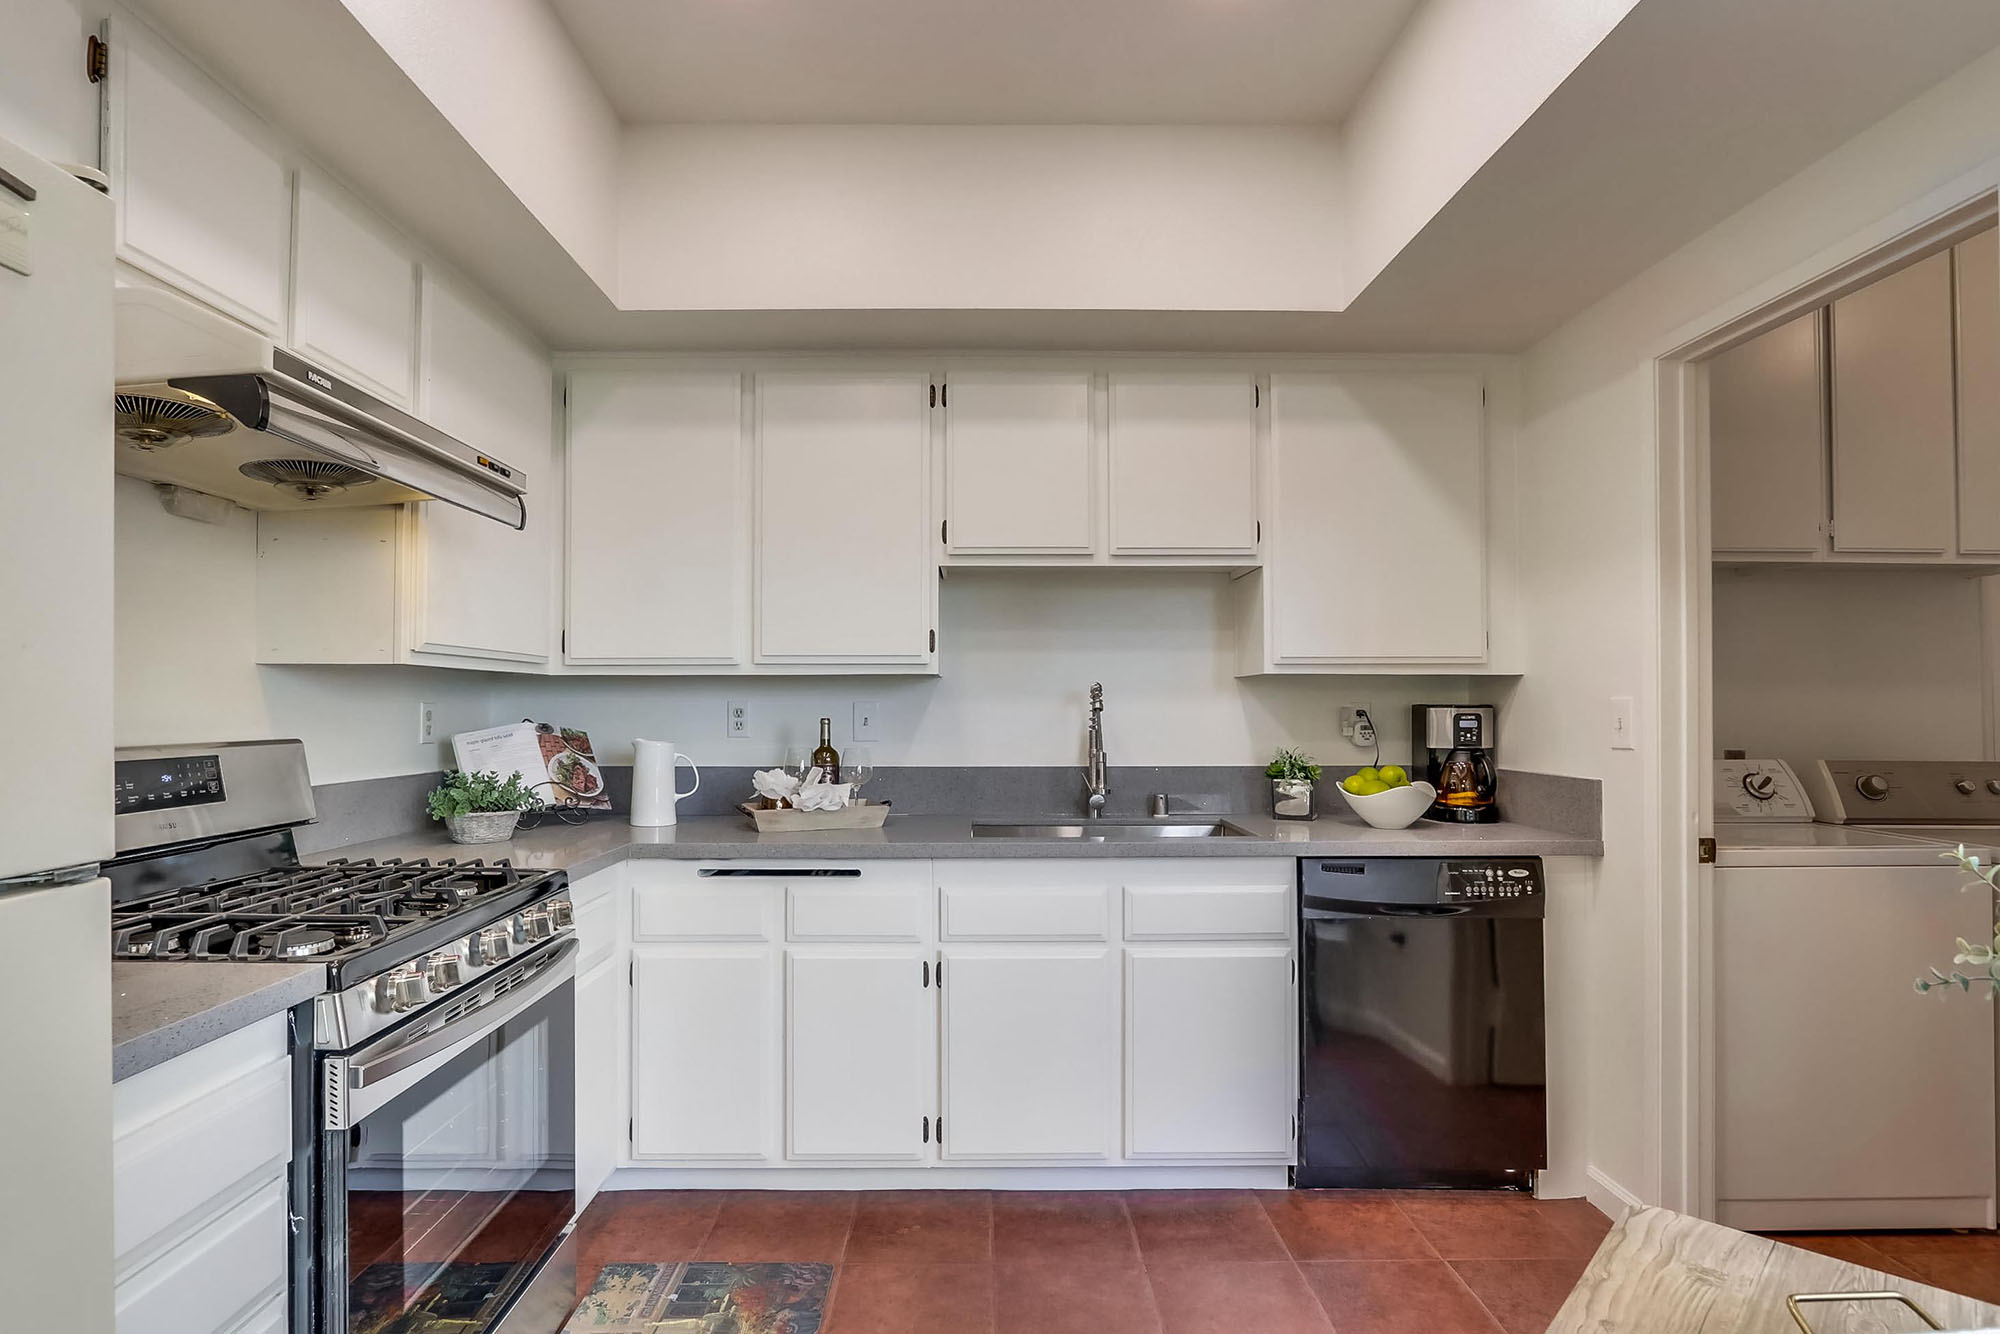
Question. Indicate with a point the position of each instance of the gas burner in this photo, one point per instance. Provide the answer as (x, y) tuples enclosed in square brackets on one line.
[(305, 944)]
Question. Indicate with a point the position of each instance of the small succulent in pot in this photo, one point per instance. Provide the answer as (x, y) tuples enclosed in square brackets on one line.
[(480, 807), (1292, 774)]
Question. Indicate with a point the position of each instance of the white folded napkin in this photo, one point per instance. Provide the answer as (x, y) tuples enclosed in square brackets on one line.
[(822, 796), (774, 784)]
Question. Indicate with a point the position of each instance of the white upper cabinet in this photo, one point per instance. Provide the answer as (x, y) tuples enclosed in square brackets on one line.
[(354, 292), (1183, 464), (1378, 487), (1018, 467), (1977, 265), (204, 193), (1894, 470), (485, 587), (658, 485), (845, 564), (1767, 441)]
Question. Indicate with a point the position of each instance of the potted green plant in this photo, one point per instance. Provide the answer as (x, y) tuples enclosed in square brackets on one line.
[(1293, 775), (480, 807)]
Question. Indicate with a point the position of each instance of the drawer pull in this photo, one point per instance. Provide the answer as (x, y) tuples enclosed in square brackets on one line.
[(777, 872)]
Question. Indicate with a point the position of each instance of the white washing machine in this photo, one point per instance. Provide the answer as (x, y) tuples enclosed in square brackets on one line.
[(1843, 1099)]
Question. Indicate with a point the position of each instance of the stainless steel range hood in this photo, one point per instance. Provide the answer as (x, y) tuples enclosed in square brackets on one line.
[(206, 404)]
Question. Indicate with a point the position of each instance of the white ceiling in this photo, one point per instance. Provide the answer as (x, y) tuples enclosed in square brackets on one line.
[(972, 62)]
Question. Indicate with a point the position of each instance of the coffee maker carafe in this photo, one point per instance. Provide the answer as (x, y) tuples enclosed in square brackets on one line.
[(1454, 752)]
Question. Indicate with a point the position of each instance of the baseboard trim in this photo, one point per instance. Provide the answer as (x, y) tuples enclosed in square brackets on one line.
[(1611, 1199), (1255, 1177)]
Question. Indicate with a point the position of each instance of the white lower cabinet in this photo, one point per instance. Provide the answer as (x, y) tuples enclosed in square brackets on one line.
[(858, 1040), (1211, 1053), (201, 1148), (1030, 1052), (976, 1015)]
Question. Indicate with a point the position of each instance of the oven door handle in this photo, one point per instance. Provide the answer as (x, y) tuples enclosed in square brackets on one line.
[(468, 1028)]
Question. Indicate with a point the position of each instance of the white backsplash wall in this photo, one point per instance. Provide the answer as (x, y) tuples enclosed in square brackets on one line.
[(1887, 664), (1019, 649), (186, 648)]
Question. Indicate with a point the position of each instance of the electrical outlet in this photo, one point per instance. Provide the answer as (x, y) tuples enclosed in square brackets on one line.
[(1622, 736), (426, 724), (1357, 725), (736, 722), (867, 720)]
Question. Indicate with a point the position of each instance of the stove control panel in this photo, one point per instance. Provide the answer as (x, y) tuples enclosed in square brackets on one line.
[(161, 784)]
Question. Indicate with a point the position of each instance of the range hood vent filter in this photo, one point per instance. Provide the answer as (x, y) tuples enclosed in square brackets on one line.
[(308, 479), (152, 421)]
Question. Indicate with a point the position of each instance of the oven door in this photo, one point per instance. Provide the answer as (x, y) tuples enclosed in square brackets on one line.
[(447, 1163)]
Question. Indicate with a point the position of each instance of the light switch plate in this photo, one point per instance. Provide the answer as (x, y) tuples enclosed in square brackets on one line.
[(867, 720), (1622, 735)]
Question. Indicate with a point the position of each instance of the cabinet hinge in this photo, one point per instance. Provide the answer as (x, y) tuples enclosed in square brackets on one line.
[(632, 1130), (1295, 972), (1256, 395), (940, 974), (944, 530), (1295, 1125), (1482, 395), (927, 1130), (940, 1130), (933, 395), (927, 973), (631, 972), (562, 641), (96, 59), (1704, 851), (933, 641), (1260, 530), (944, 395)]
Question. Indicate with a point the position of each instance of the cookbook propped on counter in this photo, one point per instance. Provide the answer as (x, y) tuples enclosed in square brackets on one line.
[(554, 761)]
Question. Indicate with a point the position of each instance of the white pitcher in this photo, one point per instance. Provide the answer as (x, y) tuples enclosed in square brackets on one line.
[(653, 794)]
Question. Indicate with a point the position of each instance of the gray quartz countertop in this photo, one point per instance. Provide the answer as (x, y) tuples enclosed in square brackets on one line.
[(587, 848), (159, 1010)]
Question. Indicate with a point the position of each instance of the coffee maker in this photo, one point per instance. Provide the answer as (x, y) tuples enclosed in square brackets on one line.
[(1454, 752)]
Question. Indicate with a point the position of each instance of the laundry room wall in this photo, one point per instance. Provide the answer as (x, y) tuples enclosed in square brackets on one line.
[(1870, 664)]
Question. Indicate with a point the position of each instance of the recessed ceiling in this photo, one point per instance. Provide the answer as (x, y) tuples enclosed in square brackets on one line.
[(983, 62)]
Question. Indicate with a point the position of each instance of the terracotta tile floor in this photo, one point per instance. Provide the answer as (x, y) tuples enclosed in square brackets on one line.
[(1139, 1262)]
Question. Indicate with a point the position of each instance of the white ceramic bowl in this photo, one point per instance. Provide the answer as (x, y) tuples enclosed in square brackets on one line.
[(1398, 808)]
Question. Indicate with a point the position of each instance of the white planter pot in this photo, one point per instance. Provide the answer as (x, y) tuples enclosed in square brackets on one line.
[(482, 826)]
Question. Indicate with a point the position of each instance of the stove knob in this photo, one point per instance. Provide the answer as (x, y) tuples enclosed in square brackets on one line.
[(1872, 786), (400, 989), (562, 913), (492, 945), (443, 970), (1965, 787), (535, 924)]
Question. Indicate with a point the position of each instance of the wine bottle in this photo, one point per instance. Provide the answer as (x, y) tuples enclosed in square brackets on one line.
[(824, 757)]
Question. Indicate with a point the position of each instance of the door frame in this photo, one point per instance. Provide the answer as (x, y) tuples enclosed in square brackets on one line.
[(1682, 1038)]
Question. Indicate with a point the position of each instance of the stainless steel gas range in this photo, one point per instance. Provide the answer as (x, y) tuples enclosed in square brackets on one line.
[(434, 1168)]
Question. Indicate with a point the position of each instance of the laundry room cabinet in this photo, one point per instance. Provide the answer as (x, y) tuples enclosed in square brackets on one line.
[(1767, 441)]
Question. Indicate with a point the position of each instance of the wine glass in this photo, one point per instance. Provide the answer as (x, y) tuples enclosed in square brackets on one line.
[(798, 761), (857, 766)]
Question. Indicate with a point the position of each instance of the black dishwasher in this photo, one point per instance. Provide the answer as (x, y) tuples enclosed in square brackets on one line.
[(1422, 1024)]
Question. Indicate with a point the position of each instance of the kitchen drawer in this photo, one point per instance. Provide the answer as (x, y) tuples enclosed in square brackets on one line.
[(717, 910), (1036, 912), (857, 912), (188, 1134), (1196, 912), (216, 1278)]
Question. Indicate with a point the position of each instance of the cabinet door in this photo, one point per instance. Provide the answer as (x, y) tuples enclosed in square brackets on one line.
[(1767, 441), (1893, 437), (205, 196), (1211, 1052), (598, 993), (354, 292), (845, 566), (1976, 266), (1183, 465), (859, 1033), (1379, 490), (656, 471), (1030, 1051), (485, 587), (704, 1061), (1017, 470)]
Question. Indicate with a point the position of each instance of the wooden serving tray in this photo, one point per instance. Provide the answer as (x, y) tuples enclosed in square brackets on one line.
[(783, 820)]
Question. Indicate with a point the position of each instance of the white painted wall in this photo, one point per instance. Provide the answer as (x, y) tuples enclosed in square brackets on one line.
[(980, 217), (46, 104), (1849, 662), (1019, 650), (1588, 495), (508, 78), (185, 650), (1463, 77)]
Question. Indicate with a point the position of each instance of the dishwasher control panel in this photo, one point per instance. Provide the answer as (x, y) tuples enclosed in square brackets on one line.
[(1486, 881)]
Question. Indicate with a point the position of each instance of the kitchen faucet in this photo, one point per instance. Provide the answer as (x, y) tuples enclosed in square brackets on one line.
[(1093, 776)]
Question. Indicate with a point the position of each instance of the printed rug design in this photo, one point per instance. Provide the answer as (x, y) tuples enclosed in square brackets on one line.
[(705, 1299), (427, 1298)]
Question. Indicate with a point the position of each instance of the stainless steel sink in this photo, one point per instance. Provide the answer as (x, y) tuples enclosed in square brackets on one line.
[(1108, 831)]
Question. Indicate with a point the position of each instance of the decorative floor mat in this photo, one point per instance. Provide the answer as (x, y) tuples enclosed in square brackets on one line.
[(704, 1298), (427, 1298)]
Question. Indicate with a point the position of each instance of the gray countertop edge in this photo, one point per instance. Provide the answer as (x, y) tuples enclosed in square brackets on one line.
[(162, 1010)]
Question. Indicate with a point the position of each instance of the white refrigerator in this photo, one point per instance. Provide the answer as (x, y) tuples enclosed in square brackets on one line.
[(55, 786)]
